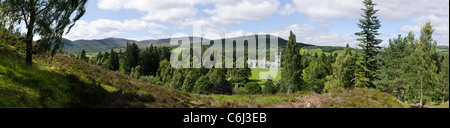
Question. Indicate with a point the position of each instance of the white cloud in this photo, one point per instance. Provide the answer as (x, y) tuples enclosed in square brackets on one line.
[(253, 10), (110, 4), (311, 35), (225, 11), (288, 9), (103, 28), (166, 10), (322, 10)]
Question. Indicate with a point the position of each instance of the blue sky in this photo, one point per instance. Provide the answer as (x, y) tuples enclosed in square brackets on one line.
[(319, 22)]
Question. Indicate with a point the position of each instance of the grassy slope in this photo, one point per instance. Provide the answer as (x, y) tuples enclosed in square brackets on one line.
[(256, 75), (67, 82)]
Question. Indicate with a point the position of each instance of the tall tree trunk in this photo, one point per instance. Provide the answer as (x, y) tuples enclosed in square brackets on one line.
[(421, 93), (29, 37)]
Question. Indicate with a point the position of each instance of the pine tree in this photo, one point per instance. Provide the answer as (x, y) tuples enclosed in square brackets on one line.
[(392, 64), (178, 79), (292, 67), (114, 60), (369, 44), (131, 57), (83, 56), (444, 77), (189, 81), (165, 71)]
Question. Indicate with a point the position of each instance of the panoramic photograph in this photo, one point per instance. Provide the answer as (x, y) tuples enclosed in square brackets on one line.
[(224, 54)]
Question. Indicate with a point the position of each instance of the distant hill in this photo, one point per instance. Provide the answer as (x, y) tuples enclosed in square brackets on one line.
[(102, 45)]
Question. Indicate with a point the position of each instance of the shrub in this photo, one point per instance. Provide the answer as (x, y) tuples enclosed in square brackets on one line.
[(239, 90), (269, 87), (223, 87), (203, 85), (189, 81), (253, 88)]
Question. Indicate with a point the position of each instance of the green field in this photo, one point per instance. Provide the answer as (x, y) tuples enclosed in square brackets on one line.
[(257, 72)]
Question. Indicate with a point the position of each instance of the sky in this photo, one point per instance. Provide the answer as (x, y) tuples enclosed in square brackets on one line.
[(317, 22)]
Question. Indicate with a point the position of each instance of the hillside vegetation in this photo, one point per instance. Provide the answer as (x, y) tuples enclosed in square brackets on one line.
[(64, 82), (67, 82)]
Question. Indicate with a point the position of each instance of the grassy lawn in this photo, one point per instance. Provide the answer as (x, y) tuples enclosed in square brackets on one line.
[(313, 51), (257, 72)]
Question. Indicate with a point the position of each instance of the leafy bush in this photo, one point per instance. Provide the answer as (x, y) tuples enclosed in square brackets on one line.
[(269, 87), (223, 87), (203, 85), (239, 91), (253, 88)]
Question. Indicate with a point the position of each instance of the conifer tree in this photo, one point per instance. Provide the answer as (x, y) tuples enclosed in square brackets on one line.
[(392, 64), (369, 44), (292, 67)]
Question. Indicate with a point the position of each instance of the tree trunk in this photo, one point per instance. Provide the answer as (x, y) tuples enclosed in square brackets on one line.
[(421, 94), (29, 37)]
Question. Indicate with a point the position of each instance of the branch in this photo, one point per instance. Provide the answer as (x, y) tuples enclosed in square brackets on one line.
[(23, 13)]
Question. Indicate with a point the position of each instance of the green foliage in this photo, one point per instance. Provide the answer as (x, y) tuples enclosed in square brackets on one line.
[(48, 18), (444, 77), (368, 42), (253, 88), (343, 70), (83, 56), (239, 91), (420, 70), (178, 79), (392, 65), (150, 60), (215, 74), (165, 71), (131, 57), (314, 75), (292, 67), (114, 60), (269, 87), (189, 81), (203, 85)]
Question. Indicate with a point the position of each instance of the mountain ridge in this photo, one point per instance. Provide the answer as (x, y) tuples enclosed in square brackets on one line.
[(102, 45)]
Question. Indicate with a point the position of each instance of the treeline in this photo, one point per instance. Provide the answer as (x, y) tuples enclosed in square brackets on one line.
[(410, 69), (133, 61)]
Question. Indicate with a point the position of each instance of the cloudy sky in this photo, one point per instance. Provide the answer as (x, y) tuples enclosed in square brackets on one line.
[(319, 22)]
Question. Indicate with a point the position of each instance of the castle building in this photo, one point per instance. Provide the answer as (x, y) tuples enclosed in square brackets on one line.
[(264, 64)]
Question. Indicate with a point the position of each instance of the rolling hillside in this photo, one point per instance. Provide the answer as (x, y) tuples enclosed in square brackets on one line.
[(102, 45)]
